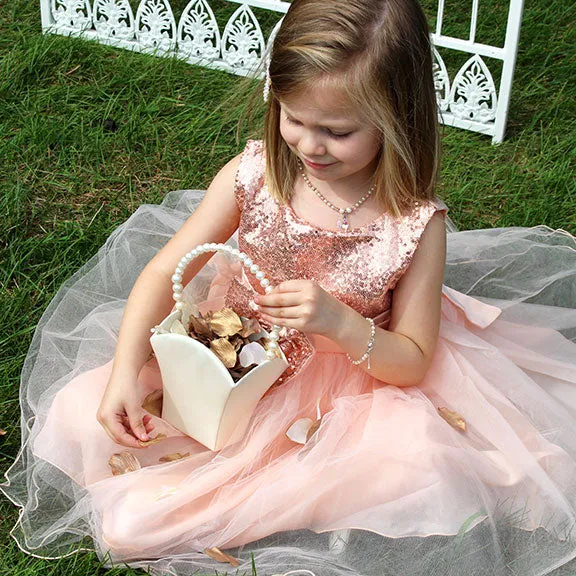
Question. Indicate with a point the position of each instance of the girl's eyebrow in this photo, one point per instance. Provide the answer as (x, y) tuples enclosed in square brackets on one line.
[(334, 124)]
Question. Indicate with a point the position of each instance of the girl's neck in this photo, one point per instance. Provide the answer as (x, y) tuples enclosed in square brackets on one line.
[(343, 191)]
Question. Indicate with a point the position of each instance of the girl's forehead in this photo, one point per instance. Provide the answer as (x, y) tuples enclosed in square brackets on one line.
[(321, 103)]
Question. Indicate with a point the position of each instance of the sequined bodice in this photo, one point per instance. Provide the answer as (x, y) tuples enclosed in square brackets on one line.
[(360, 266)]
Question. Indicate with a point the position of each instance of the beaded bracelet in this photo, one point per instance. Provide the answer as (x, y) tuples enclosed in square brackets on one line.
[(370, 346)]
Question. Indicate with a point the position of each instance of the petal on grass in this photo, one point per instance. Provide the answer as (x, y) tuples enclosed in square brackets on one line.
[(220, 556)]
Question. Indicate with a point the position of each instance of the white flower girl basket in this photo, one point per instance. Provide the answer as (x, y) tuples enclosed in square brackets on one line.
[(200, 397)]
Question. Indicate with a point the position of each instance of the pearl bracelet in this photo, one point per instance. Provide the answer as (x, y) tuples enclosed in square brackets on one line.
[(370, 346)]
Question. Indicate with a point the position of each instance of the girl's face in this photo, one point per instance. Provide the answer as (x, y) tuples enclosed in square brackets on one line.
[(324, 130)]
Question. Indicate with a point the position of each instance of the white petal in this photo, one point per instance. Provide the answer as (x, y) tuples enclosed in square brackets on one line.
[(178, 328), (252, 353), (299, 430)]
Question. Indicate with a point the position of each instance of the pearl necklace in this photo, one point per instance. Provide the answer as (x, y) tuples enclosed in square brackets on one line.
[(342, 223)]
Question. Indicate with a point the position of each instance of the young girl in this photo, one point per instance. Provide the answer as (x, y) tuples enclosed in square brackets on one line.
[(446, 443)]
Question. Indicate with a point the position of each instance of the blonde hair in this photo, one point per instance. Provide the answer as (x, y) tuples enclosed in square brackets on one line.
[(379, 53)]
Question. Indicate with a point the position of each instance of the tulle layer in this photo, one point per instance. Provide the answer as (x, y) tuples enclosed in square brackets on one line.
[(418, 495)]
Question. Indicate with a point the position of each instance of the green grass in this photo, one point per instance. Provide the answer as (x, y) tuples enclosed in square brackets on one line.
[(66, 181)]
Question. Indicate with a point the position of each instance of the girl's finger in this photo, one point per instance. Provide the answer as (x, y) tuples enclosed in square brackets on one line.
[(280, 299), (118, 434), (135, 416)]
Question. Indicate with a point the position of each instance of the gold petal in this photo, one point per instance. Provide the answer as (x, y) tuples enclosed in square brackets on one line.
[(155, 440), (225, 351), (226, 322), (153, 403), (250, 326), (220, 556), (174, 456), (453, 418), (123, 462)]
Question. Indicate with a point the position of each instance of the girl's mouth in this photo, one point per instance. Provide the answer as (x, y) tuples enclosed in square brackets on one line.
[(316, 165)]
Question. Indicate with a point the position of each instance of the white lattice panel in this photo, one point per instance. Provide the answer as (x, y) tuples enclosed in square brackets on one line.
[(469, 99)]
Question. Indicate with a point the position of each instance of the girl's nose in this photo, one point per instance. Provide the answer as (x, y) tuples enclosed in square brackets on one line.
[(311, 145)]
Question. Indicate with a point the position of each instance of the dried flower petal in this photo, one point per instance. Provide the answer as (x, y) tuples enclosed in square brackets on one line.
[(178, 328), (298, 431), (225, 322), (220, 556), (237, 342), (123, 462), (313, 429), (249, 326), (225, 351), (155, 440), (200, 326), (153, 403), (453, 418), (2, 432), (174, 456)]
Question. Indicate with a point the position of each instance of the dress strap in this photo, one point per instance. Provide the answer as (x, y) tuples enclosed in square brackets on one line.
[(250, 173)]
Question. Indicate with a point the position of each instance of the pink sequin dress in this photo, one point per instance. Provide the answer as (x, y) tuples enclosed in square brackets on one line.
[(420, 496)]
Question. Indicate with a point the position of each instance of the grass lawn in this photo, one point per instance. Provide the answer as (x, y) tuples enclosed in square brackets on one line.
[(69, 176)]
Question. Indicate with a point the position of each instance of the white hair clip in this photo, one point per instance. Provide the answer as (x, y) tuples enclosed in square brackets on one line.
[(267, 86)]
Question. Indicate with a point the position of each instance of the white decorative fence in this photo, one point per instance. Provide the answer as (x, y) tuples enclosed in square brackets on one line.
[(470, 101)]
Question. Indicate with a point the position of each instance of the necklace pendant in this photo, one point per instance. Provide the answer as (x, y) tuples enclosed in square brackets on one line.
[(343, 223)]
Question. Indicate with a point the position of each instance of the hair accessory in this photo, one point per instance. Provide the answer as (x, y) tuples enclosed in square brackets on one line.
[(370, 346), (343, 222)]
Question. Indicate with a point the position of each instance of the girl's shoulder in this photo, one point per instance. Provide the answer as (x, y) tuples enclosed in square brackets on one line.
[(251, 170)]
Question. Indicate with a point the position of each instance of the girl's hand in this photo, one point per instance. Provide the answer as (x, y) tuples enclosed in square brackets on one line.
[(304, 305), (121, 414)]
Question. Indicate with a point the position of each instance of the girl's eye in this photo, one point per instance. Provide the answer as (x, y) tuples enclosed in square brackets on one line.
[(333, 135), (291, 121)]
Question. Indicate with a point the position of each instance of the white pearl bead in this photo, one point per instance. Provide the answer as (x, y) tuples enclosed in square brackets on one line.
[(177, 296), (179, 305), (177, 278), (228, 248), (248, 262), (260, 275), (179, 270), (265, 282), (189, 256), (272, 345), (254, 268), (269, 289), (177, 287), (270, 355), (274, 336)]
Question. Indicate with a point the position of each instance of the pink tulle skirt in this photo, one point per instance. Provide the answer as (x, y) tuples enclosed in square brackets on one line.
[(412, 493)]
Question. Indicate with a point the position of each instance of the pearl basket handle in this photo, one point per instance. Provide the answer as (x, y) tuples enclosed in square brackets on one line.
[(246, 262)]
